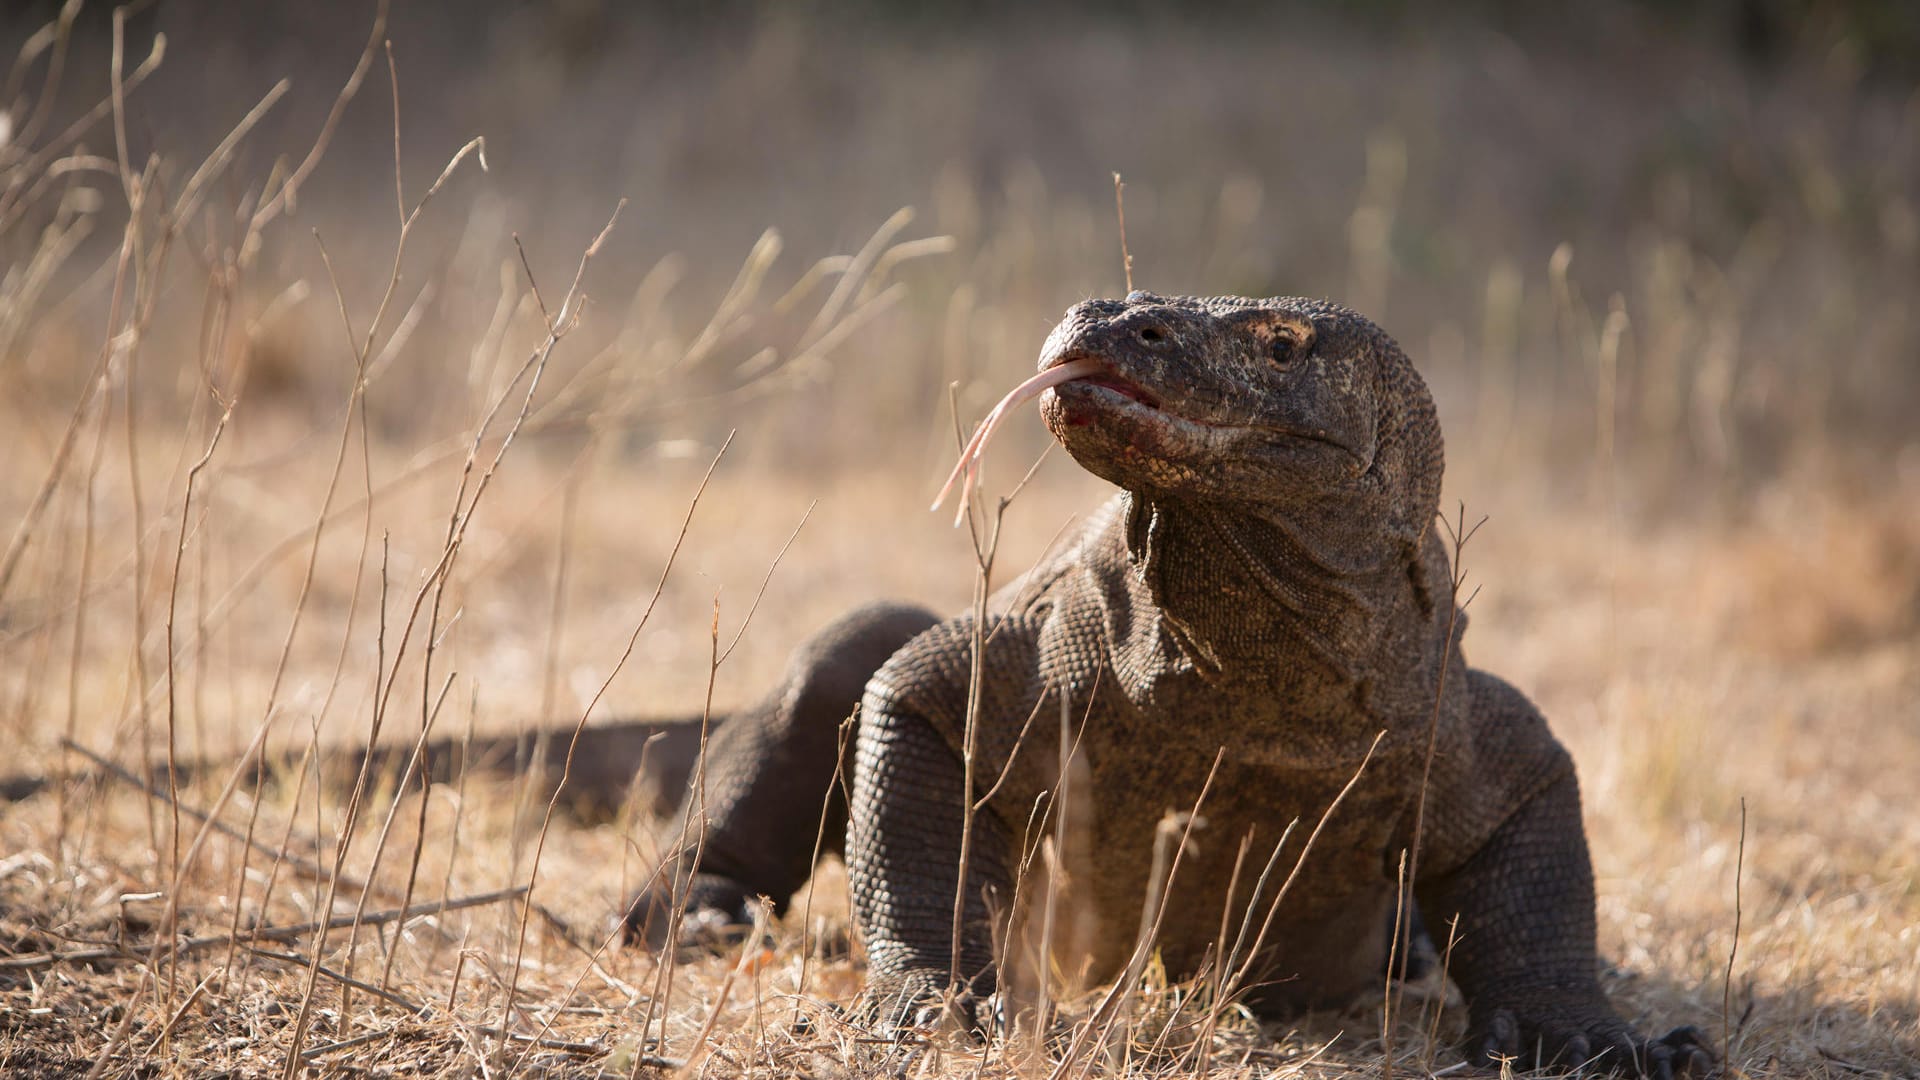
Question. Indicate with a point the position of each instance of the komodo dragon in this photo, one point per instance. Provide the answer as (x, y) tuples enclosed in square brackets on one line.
[(1268, 583)]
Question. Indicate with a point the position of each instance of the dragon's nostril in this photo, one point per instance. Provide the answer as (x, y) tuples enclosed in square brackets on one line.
[(1151, 334)]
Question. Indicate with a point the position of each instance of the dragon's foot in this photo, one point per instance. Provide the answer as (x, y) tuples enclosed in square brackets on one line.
[(719, 912), (918, 1001), (1582, 1035)]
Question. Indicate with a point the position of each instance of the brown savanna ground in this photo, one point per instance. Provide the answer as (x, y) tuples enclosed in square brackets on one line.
[(1663, 292)]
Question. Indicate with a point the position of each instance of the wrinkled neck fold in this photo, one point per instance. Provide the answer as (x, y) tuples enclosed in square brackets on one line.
[(1234, 582)]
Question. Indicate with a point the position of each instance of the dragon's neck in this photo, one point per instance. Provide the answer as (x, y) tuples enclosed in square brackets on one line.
[(1322, 604)]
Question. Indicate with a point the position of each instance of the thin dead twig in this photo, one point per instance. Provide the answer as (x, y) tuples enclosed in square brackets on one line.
[(118, 954), (1165, 866), (697, 806), (23, 533), (844, 733), (766, 580), (986, 548), (573, 743), (284, 198), (1234, 982), (423, 1010), (116, 771), (1733, 950), (1458, 535), (173, 775)]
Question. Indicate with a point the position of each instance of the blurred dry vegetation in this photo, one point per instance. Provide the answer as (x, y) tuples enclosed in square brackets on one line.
[(1659, 262)]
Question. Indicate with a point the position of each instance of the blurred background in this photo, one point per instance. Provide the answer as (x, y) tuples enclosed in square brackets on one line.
[(1737, 183)]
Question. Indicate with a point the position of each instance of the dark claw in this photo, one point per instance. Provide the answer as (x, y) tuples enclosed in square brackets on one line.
[(1659, 1063), (895, 1005), (716, 909), (1622, 1055), (1502, 1038), (1688, 1037), (1577, 1051), (899, 1005), (1690, 1053), (1581, 1043), (643, 922)]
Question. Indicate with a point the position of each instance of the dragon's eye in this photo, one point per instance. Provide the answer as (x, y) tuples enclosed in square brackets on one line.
[(1280, 352)]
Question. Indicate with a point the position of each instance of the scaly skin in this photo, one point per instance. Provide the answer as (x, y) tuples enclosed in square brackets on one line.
[(1268, 582), (754, 813)]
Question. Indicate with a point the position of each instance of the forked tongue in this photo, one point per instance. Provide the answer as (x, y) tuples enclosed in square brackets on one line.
[(967, 470)]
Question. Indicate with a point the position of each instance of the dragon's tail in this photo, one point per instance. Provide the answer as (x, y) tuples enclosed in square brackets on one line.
[(652, 759)]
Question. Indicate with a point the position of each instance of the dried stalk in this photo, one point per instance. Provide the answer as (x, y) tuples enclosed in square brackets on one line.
[(573, 743)]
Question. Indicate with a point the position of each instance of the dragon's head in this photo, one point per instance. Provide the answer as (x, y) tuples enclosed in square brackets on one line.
[(1283, 402)]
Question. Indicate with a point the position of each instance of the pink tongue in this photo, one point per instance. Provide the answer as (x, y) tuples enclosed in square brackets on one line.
[(967, 470)]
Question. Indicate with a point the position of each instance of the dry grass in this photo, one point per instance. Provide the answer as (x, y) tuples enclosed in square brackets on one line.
[(1702, 560)]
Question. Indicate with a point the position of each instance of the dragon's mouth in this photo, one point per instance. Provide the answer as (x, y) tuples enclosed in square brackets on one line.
[(1108, 380), (1089, 390), (966, 472), (1076, 369)]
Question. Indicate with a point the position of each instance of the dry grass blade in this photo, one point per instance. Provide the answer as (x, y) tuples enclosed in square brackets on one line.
[(1166, 863), (426, 1011), (104, 955), (847, 728), (574, 739), (23, 532), (289, 190), (178, 868), (52, 39), (683, 866), (1733, 948), (1458, 534), (1237, 980)]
